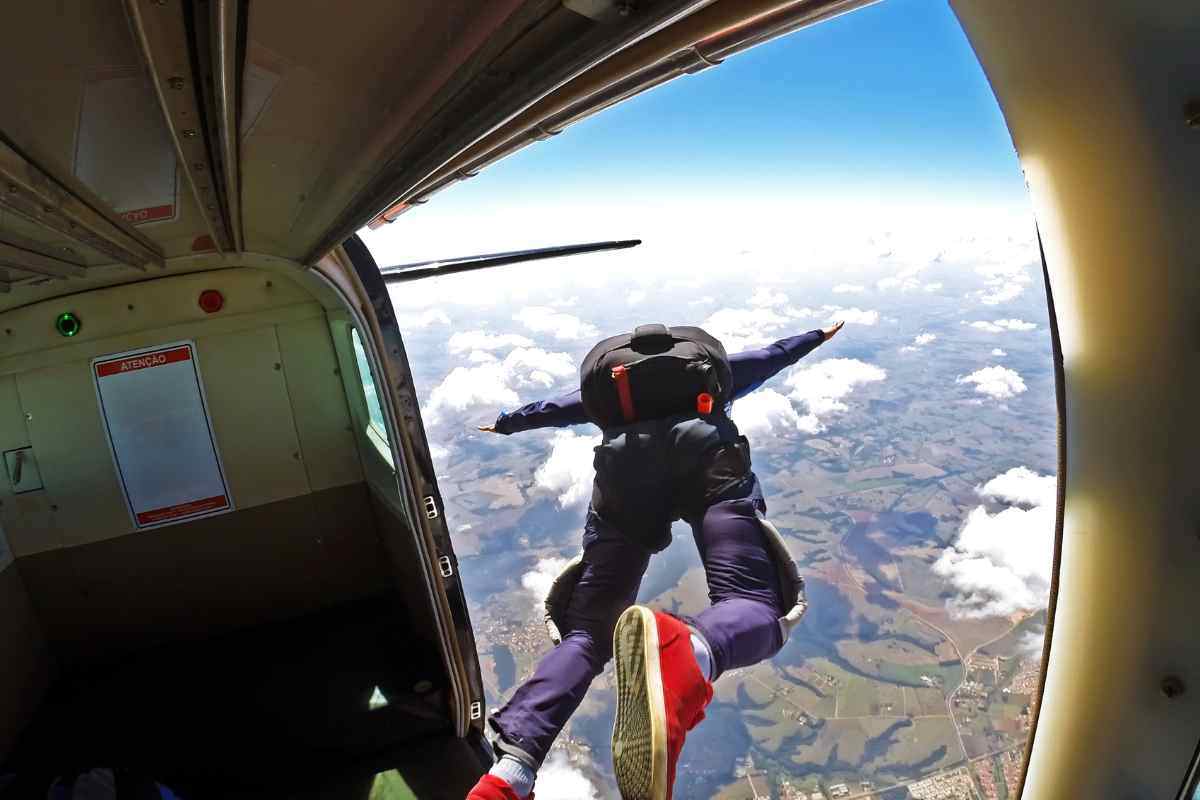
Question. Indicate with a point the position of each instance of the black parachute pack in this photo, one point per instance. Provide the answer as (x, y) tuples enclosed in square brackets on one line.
[(655, 372)]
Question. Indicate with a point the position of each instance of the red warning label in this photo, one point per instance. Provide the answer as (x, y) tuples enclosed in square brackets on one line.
[(157, 515), (161, 358)]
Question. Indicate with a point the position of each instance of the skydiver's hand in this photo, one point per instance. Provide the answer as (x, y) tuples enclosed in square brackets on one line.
[(832, 330), (487, 428)]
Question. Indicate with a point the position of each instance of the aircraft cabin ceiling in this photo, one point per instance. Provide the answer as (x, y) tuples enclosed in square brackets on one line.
[(142, 135)]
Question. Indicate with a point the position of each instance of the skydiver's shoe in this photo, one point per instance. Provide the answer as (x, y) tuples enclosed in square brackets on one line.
[(661, 695), (492, 788)]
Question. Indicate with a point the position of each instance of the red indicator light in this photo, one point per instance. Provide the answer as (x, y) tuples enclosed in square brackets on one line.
[(211, 301), (704, 403)]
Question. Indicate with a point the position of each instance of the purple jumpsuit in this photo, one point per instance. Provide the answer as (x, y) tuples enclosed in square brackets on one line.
[(652, 467)]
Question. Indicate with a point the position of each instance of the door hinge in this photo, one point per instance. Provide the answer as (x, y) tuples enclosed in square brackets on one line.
[(476, 710), (445, 566), (431, 509)]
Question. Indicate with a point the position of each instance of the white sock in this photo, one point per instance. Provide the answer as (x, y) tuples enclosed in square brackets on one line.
[(703, 656), (519, 776)]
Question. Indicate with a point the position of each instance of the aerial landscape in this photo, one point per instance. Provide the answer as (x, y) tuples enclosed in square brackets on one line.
[(858, 171), (908, 463)]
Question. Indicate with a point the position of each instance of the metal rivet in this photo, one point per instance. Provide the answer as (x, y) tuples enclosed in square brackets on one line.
[(278, 365), (211, 207), (189, 133), (625, 9), (160, 2), (48, 209), (29, 416), (130, 306), (175, 83), (8, 331), (296, 456), (1172, 687), (66, 249), (12, 188), (269, 284), (54, 507), (199, 165)]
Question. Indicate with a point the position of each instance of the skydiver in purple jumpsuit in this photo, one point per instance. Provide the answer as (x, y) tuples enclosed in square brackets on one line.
[(636, 497)]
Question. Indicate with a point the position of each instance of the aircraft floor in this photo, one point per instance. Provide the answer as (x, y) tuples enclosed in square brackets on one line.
[(282, 710)]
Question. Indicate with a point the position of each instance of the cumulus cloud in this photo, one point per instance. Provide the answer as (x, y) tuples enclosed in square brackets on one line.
[(1005, 281), (494, 383), (539, 579), (541, 319), (999, 383), (1002, 325), (996, 351), (463, 341), (920, 341), (905, 280), (933, 287), (766, 410), (1000, 563), (559, 779), (744, 328), (765, 297), (707, 300), (568, 471), (1031, 643), (848, 288), (636, 296), (820, 387), (411, 320), (830, 313)]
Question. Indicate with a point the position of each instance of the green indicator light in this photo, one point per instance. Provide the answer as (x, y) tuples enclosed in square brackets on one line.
[(67, 324)]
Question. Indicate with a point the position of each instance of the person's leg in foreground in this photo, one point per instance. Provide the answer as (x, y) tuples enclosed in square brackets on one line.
[(665, 667), (528, 724)]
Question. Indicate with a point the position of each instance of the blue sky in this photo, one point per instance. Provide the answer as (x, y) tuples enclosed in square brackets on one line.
[(886, 101)]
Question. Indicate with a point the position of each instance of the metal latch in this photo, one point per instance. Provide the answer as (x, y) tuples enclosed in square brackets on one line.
[(446, 567), (431, 511), (476, 710), (23, 472)]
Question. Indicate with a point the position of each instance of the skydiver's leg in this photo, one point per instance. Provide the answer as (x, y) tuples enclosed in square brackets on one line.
[(613, 569), (741, 627)]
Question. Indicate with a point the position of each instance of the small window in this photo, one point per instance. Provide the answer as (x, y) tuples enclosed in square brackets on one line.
[(370, 394)]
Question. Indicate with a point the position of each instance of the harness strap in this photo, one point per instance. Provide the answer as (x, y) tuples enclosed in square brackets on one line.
[(620, 376)]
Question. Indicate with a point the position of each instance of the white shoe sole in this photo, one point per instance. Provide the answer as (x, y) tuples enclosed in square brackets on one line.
[(639, 740)]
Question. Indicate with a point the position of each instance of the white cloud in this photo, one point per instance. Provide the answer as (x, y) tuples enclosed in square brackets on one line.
[(920, 341), (848, 288), (1021, 486), (558, 779), (820, 387), (996, 351), (854, 316), (1031, 643), (494, 383), (707, 300), (410, 320), (743, 328), (765, 297), (764, 410), (999, 383), (1006, 281), (1000, 563), (905, 280), (463, 341), (1003, 293), (1001, 325), (539, 579), (636, 296), (541, 319), (568, 470), (933, 287)]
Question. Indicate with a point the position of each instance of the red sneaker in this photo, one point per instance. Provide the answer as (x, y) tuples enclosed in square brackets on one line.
[(492, 788), (661, 695)]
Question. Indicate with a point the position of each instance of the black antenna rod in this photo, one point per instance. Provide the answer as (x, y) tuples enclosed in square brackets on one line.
[(404, 273)]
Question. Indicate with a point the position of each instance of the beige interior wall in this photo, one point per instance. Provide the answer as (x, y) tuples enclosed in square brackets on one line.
[(303, 534), (271, 379)]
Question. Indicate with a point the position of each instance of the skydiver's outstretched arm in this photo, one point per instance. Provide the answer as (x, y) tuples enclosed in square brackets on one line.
[(751, 369), (557, 413)]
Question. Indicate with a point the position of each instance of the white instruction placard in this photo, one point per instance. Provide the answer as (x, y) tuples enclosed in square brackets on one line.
[(157, 422)]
